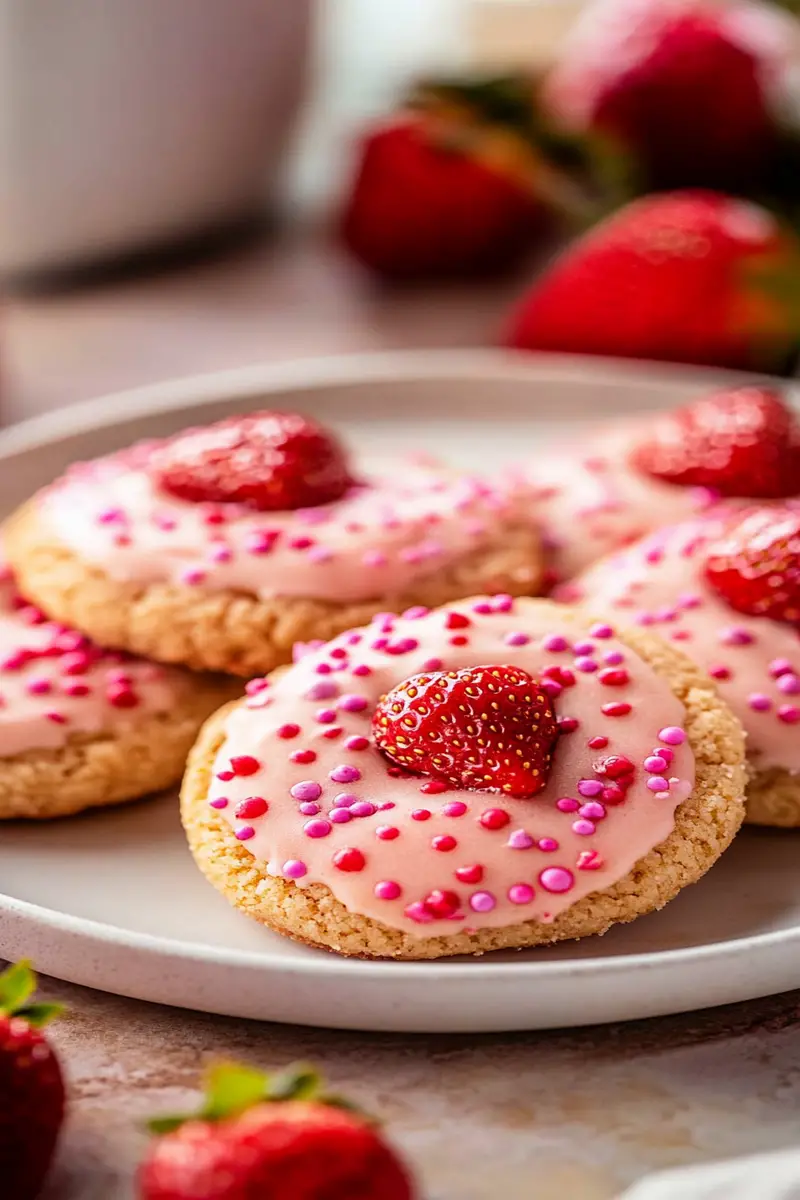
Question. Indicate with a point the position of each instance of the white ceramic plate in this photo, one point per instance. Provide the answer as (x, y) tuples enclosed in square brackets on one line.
[(113, 900)]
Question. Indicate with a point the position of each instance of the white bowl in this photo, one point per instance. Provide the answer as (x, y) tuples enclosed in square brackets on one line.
[(134, 122)]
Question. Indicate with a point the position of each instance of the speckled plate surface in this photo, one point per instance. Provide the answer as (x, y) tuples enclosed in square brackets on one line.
[(113, 899)]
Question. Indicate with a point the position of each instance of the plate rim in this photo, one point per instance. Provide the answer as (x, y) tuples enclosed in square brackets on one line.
[(104, 412)]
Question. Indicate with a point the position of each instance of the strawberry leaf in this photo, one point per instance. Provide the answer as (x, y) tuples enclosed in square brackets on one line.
[(231, 1088), (299, 1082), (17, 985), (38, 1015)]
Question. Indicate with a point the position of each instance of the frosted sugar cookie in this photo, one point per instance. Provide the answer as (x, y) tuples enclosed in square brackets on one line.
[(82, 727), (222, 548), (492, 774)]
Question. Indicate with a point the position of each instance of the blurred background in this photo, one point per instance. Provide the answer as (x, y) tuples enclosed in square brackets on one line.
[(187, 185)]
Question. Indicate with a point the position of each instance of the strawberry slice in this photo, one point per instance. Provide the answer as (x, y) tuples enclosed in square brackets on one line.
[(755, 564), (271, 461), (490, 729), (740, 442)]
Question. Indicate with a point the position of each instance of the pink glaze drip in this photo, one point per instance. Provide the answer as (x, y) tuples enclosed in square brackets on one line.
[(55, 683), (503, 860), (590, 501), (407, 521), (659, 584)]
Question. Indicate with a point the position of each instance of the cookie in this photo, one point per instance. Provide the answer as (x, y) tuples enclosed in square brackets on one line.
[(660, 584), (300, 805), (610, 488), (82, 727), (219, 584)]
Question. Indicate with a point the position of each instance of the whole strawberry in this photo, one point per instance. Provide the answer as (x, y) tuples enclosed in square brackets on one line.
[(268, 1138), (738, 442), (490, 729), (755, 565), (269, 461), (691, 92), (31, 1087), (691, 277)]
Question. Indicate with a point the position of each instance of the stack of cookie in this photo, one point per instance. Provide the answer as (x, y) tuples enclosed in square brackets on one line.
[(425, 760)]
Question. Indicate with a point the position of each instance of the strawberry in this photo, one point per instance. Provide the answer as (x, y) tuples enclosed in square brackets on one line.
[(739, 442), (460, 182), (683, 277), (688, 90), (268, 460), (755, 564), (491, 729), (267, 1138), (31, 1087)]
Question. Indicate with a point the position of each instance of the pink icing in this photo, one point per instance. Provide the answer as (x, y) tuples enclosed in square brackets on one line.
[(55, 683), (590, 501), (425, 858), (659, 583), (408, 520)]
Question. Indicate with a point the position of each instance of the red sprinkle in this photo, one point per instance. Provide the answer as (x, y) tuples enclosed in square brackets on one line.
[(613, 677), (441, 903), (303, 756), (332, 732), (421, 814), (459, 640), (473, 874), (290, 730), (349, 859), (253, 806), (433, 787), (444, 842), (494, 818), (456, 620), (618, 708), (244, 764), (614, 766), (598, 743)]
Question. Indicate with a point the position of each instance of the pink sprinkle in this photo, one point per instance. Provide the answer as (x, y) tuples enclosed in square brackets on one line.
[(254, 686), (353, 703), (601, 631), (345, 773), (260, 541), (502, 603), (482, 902), (673, 735), (655, 764), (308, 789), (789, 714), (340, 816), (402, 646), (567, 804), (789, 684), (759, 702), (482, 608), (287, 731), (735, 635), (555, 643), (319, 554), (613, 658), (220, 802), (39, 687), (593, 811), (362, 669), (56, 717), (325, 716), (192, 576), (583, 648), (583, 828), (323, 668), (244, 833), (589, 787), (220, 553), (293, 868), (76, 689), (309, 809), (454, 808), (520, 839), (110, 516), (387, 833), (521, 893), (374, 558), (303, 756), (665, 752), (356, 742), (323, 689), (416, 612), (556, 879), (657, 783), (547, 844), (432, 664), (587, 665), (516, 639), (362, 808), (318, 828), (387, 889), (780, 666)]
